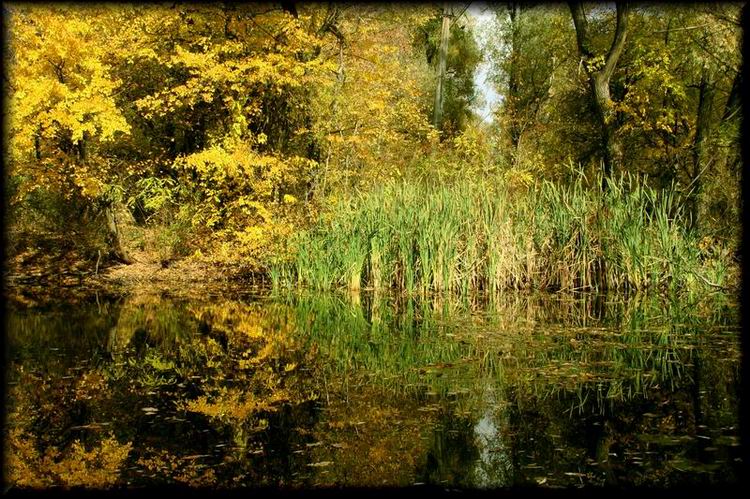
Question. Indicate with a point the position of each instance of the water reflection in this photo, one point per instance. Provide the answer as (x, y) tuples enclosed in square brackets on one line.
[(494, 467), (318, 390)]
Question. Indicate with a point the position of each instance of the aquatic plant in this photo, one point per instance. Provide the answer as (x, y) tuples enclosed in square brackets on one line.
[(484, 236)]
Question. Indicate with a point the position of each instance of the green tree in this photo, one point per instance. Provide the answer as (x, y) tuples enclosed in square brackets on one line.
[(600, 68), (449, 45), (532, 70)]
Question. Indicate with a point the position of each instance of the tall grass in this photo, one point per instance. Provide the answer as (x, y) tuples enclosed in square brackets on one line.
[(469, 236)]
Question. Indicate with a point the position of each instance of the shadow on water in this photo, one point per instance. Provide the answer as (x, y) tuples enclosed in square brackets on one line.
[(311, 390)]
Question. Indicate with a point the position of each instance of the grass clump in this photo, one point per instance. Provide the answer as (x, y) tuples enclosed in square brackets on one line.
[(469, 236)]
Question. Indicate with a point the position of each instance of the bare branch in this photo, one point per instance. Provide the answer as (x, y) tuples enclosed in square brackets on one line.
[(685, 28), (618, 43)]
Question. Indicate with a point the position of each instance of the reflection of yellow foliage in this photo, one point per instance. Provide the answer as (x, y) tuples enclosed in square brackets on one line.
[(188, 472), (269, 354), (98, 467), (92, 384), (197, 477), (388, 435), (236, 404), (251, 328)]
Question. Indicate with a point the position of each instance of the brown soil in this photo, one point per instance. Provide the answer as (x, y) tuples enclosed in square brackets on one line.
[(186, 276), (180, 272), (30, 282)]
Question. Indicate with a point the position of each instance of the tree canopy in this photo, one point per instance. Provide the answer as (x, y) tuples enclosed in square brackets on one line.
[(235, 125)]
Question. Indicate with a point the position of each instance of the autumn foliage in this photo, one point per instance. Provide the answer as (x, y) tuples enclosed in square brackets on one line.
[(216, 132)]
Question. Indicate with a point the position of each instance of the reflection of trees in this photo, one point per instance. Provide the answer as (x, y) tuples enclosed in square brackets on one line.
[(452, 452), (96, 465), (494, 467), (42, 336), (383, 390), (50, 398), (149, 320), (44, 442), (371, 438), (469, 450), (225, 365), (654, 431), (585, 369), (249, 371)]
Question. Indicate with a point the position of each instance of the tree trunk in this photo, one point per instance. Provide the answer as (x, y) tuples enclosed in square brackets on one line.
[(38, 144), (733, 138), (730, 157), (600, 75), (82, 147), (668, 166), (115, 238), (513, 80), (612, 154), (706, 92), (442, 63), (734, 101)]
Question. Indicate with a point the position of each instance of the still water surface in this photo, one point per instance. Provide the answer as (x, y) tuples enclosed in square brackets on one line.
[(315, 390)]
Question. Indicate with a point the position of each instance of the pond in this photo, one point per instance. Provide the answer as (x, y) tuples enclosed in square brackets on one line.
[(370, 390)]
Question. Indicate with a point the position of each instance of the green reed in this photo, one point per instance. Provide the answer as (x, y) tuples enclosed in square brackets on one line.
[(470, 236)]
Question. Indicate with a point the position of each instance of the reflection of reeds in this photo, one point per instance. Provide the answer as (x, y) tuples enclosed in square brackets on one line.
[(598, 349), (465, 236), (390, 347), (540, 344)]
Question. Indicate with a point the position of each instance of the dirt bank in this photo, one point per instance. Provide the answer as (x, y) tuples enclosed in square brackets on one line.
[(34, 285)]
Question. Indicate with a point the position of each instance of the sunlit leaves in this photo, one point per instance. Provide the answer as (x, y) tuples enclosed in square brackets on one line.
[(376, 114), (59, 73), (221, 113), (244, 198), (98, 466), (62, 108)]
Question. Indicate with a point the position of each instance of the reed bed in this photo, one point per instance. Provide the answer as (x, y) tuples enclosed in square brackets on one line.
[(471, 236)]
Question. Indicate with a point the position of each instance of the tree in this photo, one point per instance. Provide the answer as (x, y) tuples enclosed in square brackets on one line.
[(442, 62), (709, 160), (450, 48), (677, 95), (62, 98), (542, 121), (63, 110), (512, 98), (373, 119), (600, 69)]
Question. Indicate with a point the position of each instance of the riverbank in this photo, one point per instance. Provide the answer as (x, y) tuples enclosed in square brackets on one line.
[(417, 238), (34, 285)]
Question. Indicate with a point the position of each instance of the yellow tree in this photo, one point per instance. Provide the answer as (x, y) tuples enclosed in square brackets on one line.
[(62, 108), (373, 121), (61, 102), (227, 98)]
